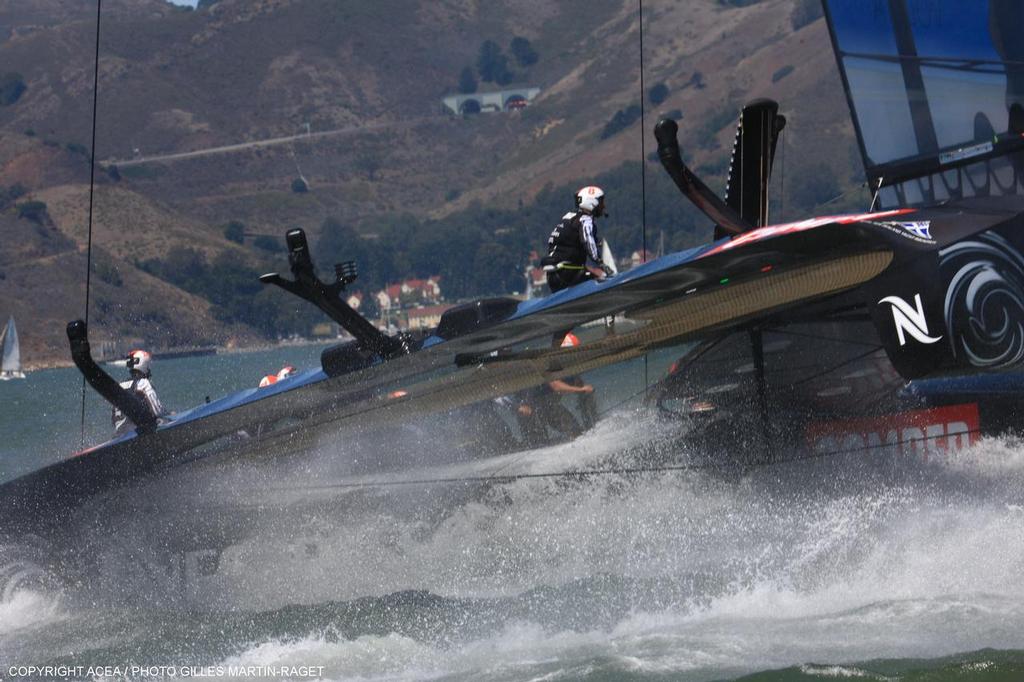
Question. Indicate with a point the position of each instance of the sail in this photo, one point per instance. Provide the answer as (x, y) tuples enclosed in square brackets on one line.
[(607, 257), (936, 91), (12, 351)]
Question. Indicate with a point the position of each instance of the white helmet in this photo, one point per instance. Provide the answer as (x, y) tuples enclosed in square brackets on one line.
[(590, 198), (139, 361), (285, 372)]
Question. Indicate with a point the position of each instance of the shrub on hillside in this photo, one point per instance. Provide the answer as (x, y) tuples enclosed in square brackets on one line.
[(523, 51), (369, 163), (12, 85), (8, 195), (235, 232), (708, 132), (658, 94), (299, 186), (108, 272), (782, 73), (32, 210), (622, 119)]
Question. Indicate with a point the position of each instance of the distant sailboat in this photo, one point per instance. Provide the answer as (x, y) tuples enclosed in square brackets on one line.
[(10, 365)]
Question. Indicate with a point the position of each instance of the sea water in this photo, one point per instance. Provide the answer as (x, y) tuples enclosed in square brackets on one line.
[(823, 569)]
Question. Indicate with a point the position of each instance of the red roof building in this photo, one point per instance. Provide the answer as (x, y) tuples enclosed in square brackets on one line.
[(425, 318)]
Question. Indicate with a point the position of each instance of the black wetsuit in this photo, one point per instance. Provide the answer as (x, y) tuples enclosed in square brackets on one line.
[(571, 243)]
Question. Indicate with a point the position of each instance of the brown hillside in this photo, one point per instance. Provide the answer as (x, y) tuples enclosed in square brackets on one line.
[(347, 96)]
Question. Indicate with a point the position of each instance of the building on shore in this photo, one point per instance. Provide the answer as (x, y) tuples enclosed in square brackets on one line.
[(424, 318), (512, 99)]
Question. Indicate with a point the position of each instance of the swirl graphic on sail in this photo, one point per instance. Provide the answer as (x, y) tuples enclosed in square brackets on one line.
[(984, 305)]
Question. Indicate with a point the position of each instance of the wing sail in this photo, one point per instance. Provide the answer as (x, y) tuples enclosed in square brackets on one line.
[(936, 92)]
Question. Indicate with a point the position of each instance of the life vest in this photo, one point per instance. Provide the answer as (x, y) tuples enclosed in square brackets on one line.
[(572, 241)]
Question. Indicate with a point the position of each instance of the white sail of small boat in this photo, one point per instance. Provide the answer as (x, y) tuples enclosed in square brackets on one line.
[(608, 257), (10, 364)]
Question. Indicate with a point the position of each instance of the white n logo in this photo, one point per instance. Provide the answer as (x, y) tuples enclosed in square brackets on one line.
[(909, 320)]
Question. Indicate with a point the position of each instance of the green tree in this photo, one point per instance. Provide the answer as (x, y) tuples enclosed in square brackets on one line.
[(235, 232), (12, 85), (505, 77), (523, 51), (299, 186), (467, 81), (492, 64)]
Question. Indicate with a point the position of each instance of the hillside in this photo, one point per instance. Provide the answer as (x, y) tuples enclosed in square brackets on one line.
[(357, 88)]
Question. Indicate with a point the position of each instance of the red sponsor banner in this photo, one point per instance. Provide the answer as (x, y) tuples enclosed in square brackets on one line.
[(811, 223), (939, 431)]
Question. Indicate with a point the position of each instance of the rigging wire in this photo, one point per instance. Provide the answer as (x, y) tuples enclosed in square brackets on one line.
[(782, 178), (643, 160), (92, 189), (855, 188), (583, 474), (643, 148)]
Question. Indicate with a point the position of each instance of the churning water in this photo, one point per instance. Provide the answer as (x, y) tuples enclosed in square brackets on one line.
[(818, 567)]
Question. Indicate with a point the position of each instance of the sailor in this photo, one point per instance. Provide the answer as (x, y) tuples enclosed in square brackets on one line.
[(541, 408), (285, 372), (574, 249), (139, 363)]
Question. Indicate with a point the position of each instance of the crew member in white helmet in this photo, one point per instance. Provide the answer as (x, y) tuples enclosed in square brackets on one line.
[(139, 365), (574, 249)]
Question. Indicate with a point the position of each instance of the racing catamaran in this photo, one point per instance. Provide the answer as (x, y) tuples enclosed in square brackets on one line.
[(901, 327)]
